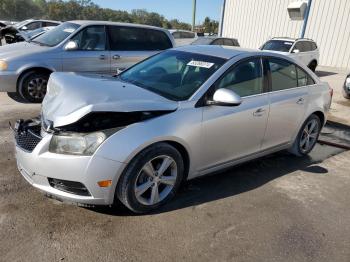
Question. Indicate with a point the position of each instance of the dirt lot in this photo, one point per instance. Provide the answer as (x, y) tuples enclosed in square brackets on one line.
[(279, 208)]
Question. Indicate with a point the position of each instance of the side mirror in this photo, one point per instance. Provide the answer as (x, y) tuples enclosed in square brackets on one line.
[(296, 51), (24, 28), (225, 97), (70, 46)]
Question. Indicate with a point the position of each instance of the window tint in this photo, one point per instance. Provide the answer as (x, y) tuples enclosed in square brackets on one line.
[(137, 39), (92, 38), (313, 46), (228, 42), (218, 42), (283, 74), (34, 25), (49, 24), (277, 45), (187, 35), (303, 78), (245, 79)]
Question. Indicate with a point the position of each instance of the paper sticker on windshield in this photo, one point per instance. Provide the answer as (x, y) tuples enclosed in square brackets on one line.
[(69, 30), (200, 64)]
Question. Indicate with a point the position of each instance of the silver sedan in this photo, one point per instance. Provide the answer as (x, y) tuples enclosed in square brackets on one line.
[(178, 115)]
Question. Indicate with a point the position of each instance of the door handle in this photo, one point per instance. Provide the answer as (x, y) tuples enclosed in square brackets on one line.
[(116, 57), (300, 101), (102, 57), (259, 112)]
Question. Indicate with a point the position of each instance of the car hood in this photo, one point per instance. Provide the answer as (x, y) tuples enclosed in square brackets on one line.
[(19, 49), (71, 96)]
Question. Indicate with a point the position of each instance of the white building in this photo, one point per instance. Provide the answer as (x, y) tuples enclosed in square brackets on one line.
[(255, 21)]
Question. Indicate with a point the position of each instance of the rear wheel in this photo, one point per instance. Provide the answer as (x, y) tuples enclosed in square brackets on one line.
[(307, 136), (32, 86), (151, 179), (313, 66)]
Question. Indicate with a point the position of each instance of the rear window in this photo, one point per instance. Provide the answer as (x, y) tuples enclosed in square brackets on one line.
[(277, 45), (137, 39)]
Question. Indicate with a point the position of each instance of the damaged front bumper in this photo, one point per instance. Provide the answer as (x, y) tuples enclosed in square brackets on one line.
[(68, 178)]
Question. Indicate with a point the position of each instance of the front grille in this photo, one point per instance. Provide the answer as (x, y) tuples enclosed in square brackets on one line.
[(72, 187), (28, 140)]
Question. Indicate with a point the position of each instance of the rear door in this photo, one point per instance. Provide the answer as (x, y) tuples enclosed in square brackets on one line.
[(130, 45), (288, 98), (92, 55)]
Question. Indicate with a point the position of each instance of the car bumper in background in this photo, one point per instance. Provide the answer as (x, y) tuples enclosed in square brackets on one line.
[(8, 81)]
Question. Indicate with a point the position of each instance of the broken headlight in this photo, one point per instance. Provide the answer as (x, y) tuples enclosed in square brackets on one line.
[(77, 144)]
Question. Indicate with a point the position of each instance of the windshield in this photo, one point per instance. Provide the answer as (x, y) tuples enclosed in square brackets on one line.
[(173, 74), (57, 35), (277, 45), (202, 41)]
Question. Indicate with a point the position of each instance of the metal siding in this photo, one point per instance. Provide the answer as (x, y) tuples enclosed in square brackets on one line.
[(255, 21)]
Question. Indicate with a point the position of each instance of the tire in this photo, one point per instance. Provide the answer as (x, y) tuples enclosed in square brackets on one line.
[(32, 86), (302, 146), (313, 66), (149, 181), (16, 97), (346, 94)]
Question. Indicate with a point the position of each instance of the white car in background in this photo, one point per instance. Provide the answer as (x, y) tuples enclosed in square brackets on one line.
[(303, 49)]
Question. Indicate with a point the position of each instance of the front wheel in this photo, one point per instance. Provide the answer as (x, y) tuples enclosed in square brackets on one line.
[(33, 85), (313, 66), (307, 136), (151, 179)]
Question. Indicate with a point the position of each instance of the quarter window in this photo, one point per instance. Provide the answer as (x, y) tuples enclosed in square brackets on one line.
[(137, 39), (283, 74), (245, 79), (92, 38)]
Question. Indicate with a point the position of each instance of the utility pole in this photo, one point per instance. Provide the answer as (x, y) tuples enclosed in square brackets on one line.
[(306, 18), (221, 24), (194, 15)]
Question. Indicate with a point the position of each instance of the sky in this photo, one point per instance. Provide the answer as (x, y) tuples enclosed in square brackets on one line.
[(170, 9)]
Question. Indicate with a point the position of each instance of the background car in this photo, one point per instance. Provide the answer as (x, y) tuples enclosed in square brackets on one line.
[(183, 113), (27, 35), (183, 37), (346, 87), (212, 40), (303, 49), (10, 32), (76, 46)]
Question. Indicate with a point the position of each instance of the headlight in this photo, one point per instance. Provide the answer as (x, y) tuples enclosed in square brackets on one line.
[(3, 65), (77, 144)]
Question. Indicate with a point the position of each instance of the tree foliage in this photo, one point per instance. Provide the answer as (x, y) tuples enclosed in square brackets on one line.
[(17, 10)]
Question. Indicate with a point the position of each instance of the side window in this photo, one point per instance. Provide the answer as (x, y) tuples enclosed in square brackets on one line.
[(49, 24), (33, 26), (218, 42), (314, 46), (187, 35), (137, 39), (303, 78), (245, 79), (176, 35), (283, 74), (228, 42), (299, 46), (92, 38)]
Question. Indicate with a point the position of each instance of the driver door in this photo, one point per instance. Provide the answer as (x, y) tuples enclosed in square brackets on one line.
[(230, 133), (92, 55)]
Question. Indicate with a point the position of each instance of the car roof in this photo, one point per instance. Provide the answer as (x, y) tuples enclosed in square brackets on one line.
[(225, 52), (91, 22), (292, 39)]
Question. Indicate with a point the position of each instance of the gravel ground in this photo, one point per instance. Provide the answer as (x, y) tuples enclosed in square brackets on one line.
[(278, 208)]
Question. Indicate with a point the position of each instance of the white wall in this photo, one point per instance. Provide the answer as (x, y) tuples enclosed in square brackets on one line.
[(255, 21)]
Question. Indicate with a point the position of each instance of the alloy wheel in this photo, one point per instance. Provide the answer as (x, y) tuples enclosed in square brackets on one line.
[(37, 87), (156, 180), (309, 136)]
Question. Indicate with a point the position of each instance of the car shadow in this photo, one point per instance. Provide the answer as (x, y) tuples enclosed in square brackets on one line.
[(237, 180), (324, 73)]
